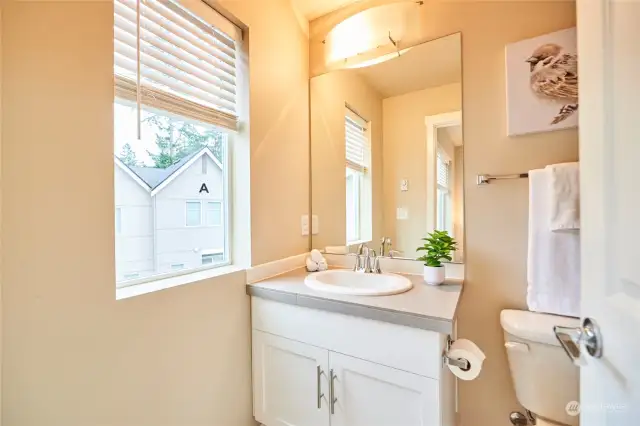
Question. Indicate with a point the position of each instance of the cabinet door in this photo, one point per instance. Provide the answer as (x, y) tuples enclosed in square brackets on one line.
[(368, 394), (289, 379)]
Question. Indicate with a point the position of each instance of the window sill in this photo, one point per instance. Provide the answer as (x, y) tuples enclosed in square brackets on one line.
[(165, 283)]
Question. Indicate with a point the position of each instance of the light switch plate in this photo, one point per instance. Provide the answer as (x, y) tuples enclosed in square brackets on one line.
[(315, 224), (304, 224), (402, 213)]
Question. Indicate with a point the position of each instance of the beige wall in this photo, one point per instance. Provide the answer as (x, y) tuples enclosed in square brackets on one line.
[(1, 242), (73, 355), (496, 216), (279, 91), (329, 93), (405, 157)]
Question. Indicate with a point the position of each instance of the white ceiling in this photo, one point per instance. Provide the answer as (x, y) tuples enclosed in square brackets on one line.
[(312, 9), (430, 64)]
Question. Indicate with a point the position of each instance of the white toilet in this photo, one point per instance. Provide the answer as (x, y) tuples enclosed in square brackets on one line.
[(544, 378)]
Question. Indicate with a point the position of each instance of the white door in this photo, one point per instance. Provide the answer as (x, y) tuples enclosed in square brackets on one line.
[(290, 386), (609, 77), (368, 394)]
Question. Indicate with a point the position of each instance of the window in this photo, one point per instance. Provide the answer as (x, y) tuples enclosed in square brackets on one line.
[(118, 220), (194, 213), (444, 192), (214, 213), (208, 259), (353, 204), (358, 178), (174, 117), (204, 165), (131, 276)]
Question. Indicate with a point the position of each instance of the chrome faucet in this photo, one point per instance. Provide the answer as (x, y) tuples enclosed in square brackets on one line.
[(385, 246), (358, 265), (375, 260), (367, 261)]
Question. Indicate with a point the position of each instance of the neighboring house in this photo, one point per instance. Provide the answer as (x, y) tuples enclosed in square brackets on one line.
[(169, 219)]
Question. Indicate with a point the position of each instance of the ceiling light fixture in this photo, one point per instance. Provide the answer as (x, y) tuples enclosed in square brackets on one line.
[(371, 36)]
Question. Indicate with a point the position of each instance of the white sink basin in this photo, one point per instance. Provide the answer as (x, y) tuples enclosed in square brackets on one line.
[(357, 283)]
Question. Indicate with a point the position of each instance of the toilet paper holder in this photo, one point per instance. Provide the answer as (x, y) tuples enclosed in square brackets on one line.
[(462, 363)]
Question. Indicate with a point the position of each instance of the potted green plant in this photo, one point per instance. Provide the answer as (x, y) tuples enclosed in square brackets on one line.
[(438, 246)]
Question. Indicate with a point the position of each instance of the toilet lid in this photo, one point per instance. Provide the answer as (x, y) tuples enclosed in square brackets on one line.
[(533, 326)]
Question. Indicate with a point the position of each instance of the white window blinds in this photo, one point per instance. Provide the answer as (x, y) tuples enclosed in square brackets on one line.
[(443, 171), (358, 150), (187, 65)]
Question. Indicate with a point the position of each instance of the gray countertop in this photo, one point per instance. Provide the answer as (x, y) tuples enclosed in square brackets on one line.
[(426, 307)]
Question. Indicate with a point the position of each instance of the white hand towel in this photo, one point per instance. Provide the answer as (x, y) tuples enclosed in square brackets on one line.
[(565, 196), (316, 256), (322, 265), (553, 264), (311, 265)]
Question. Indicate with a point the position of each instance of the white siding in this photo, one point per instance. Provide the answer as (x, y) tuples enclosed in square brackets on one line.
[(134, 242), (177, 243)]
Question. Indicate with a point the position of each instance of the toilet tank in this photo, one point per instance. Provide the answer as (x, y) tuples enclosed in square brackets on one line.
[(544, 377)]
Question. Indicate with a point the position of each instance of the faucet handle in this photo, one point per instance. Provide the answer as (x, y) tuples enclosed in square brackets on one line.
[(393, 253), (356, 265), (376, 265), (367, 260)]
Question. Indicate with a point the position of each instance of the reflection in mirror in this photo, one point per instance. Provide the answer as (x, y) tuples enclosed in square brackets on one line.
[(387, 152)]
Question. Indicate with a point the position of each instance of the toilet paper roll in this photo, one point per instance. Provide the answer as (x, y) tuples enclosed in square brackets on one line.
[(468, 350)]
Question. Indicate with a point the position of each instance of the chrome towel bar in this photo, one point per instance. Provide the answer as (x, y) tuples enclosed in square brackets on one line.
[(486, 179)]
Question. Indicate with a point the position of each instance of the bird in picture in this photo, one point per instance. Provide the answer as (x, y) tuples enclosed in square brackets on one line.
[(554, 76)]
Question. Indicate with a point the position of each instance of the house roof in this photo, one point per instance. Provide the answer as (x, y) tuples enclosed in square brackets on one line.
[(154, 177)]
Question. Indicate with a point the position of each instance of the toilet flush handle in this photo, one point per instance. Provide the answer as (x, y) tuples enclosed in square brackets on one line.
[(569, 338)]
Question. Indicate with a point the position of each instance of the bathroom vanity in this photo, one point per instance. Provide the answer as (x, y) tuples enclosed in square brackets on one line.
[(323, 359), (322, 356)]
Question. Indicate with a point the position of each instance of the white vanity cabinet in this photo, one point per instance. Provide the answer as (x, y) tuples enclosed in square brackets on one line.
[(286, 376), (369, 394), (318, 368)]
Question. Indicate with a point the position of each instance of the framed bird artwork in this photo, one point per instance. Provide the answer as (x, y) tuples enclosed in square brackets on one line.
[(542, 83)]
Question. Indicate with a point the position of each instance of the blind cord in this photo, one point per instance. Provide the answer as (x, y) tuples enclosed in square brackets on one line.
[(138, 88)]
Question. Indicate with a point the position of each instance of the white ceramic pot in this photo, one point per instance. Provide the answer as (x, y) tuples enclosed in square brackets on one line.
[(434, 275)]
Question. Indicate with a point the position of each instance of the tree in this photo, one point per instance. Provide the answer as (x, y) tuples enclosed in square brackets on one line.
[(128, 156), (178, 139), (168, 150)]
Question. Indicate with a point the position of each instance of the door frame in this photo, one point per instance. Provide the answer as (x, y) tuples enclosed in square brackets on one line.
[(433, 123)]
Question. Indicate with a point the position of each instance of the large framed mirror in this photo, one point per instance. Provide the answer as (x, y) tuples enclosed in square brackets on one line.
[(387, 151)]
